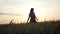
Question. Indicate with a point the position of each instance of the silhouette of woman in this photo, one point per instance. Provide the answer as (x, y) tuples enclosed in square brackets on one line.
[(32, 16)]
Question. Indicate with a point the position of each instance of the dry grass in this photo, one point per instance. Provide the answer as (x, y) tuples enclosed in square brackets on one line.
[(51, 27)]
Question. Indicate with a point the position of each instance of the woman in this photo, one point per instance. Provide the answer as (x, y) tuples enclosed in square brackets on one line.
[(32, 16)]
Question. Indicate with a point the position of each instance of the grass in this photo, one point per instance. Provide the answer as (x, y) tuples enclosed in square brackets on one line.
[(47, 27)]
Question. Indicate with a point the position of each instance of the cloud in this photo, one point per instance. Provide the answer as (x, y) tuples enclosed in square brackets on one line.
[(15, 6), (10, 14)]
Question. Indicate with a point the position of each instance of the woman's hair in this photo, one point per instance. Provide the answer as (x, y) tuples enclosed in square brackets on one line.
[(32, 10)]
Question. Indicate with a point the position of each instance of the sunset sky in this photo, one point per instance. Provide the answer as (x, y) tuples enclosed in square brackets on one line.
[(19, 10)]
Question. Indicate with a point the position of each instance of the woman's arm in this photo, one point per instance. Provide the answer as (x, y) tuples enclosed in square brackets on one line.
[(36, 18), (28, 19)]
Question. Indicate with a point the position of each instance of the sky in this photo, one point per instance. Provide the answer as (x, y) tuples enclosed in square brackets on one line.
[(19, 10)]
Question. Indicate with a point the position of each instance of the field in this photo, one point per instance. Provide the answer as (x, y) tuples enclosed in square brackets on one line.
[(47, 27)]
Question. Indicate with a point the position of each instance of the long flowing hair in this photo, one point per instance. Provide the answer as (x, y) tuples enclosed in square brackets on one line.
[(32, 10), (32, 14)]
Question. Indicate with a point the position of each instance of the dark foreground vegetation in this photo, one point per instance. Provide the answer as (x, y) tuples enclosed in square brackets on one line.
[(51, 27)]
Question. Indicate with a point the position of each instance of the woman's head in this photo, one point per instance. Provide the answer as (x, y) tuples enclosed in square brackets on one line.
[(31, 10)]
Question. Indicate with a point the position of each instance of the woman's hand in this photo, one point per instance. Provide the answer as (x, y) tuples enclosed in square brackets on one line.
[(37, 19)]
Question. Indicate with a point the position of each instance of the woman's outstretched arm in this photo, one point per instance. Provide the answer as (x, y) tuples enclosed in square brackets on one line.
[(28, 19), (36, 18)]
